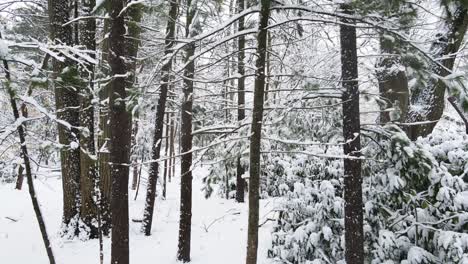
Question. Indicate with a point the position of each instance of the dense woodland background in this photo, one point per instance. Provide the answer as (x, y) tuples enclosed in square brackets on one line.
[(209, 131)]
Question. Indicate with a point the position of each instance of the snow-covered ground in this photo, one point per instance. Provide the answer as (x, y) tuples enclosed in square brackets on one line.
[(218, 228)]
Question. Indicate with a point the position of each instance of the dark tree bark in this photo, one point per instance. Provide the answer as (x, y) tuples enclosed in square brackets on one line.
[(27, 164), (240, 182), (185, 223), (133, 19), (103, 161), (135, 152), (67, 105), (159, 122), (174, 133), (88, 210), (256, 130), (19, 181), (120, 133), (104, 135), (354, 234), (166, 154), (428, 102), (171, 147)]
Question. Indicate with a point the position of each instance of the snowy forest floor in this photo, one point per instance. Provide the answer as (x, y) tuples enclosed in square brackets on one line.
[(219, 227)]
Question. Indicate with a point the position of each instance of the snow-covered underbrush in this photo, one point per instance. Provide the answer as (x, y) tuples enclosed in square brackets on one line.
[(415, 203)]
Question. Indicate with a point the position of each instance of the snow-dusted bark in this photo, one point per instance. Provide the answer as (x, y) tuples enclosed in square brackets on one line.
[(354, 233), (185, 223), (88, 179), (104, 135), (240, 182), (256, 131), (120, 131), (67, 104)]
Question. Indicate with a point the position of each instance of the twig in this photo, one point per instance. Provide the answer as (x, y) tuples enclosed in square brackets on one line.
[(217, 219), (453, 102), (11, 219)]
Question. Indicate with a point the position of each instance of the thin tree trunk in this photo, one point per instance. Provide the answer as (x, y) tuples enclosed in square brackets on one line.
[(171, 147), (226, 169), (88, 210), (240, 182), (255, 139), (135, 154), (27, 165), (174, 147), (354, 235), (453, 102), (24, 113), (166, 154), (67, 104), (159, 122), (120, 128), (268, 68)]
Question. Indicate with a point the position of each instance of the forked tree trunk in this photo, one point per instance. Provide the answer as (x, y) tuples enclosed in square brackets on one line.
[(240, 182), (159, 122), (120, 131), (67, 105), (256, 131), (354, 233)]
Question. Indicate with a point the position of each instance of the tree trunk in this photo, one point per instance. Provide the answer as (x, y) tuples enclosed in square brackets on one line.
[(256, 130), (185, 223), (171, 147), (135, 153), (159, 122), (428, 102), (166, 154), (354, 234), (120, 131), (240, 182), (67, 104), (19, 181), (88, 210), (393, 83), (174, 133), (27, 165), (104, 136)]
